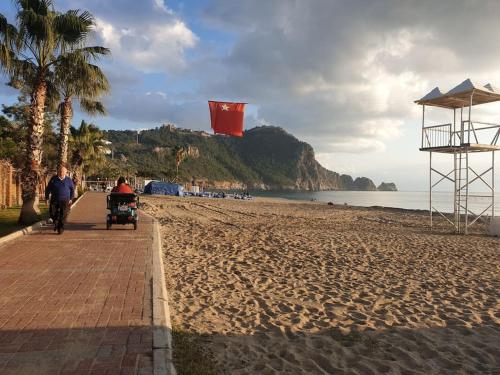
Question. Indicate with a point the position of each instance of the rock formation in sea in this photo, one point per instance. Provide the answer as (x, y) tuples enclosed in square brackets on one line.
[(387, 186)]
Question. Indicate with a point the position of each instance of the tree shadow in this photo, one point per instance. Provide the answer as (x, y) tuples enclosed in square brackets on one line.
[(97, 227), (438, 350), (127, 349), (405, 218), (86, 227)]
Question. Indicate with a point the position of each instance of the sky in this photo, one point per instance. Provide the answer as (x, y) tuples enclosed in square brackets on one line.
[(340, 75)]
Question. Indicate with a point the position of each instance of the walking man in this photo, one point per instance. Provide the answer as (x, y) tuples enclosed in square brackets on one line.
[(61, 191)]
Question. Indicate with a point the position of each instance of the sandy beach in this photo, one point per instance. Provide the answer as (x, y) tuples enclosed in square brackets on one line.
[(281, 287)]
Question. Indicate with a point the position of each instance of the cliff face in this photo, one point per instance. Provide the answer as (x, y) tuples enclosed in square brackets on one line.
[(305, 172), (264, 158), (285, 163)]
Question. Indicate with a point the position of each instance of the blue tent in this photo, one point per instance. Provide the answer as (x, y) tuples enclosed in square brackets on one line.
[(163, 188)]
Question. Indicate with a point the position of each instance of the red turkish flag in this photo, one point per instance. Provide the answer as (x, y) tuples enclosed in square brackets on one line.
[(227, 117)]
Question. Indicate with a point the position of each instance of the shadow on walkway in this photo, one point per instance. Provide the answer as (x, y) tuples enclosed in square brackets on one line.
[(107, 350), (79, 302)]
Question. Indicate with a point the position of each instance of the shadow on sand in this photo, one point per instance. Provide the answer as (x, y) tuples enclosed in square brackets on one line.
[(451, 350), (122, 349)]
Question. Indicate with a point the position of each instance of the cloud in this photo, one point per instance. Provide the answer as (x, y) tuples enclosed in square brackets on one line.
[(160, 5), (156, 108), (121, 78), (146, 35), (149, 48), (146, 39), (341, 75), (346, 73)]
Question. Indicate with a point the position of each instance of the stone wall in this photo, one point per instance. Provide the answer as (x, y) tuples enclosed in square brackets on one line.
[(10, 185)]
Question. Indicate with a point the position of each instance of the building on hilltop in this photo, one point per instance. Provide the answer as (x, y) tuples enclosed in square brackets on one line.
[(170, 127)]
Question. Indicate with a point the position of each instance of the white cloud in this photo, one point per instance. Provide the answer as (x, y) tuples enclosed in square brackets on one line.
[(340, 75), (160, 5), (156, 108), (110, 36), (144, 36), (155, 47), (162, 47), (345, 74)]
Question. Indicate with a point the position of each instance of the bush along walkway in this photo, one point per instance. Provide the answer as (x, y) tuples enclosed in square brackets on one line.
[(80, 302)]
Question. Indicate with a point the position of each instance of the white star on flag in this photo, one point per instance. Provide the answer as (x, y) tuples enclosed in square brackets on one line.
[(224, 107)]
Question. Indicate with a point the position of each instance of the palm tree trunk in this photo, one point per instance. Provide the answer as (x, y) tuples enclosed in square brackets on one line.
[(77, 166), (32, 169), (77, 178), (65, 123)]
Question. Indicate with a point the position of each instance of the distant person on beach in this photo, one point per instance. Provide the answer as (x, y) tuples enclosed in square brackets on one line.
[(61, 190), (122, 186)]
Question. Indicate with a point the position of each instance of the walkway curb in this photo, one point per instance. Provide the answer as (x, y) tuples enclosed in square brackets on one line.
[(25, 231), (20, 233), (162, 326)]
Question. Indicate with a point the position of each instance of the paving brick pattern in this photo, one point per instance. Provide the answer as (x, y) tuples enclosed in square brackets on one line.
[(78, 303)]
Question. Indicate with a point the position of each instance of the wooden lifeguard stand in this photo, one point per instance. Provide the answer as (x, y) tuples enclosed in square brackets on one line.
[(461, 138)]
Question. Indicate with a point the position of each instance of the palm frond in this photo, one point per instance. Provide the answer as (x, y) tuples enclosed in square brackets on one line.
[(23, 73), (39, 6), (76, 77), (87, 145), (8, 44), (92, 107), (97, 83), (73, 27), (35, 28), (94, 52), (53, 96), (7, 57), (8, 33)]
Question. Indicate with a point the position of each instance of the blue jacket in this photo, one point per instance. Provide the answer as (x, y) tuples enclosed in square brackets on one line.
[(60, 190)]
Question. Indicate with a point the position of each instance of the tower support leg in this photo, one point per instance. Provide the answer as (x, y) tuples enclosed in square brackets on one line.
[(430, 187)]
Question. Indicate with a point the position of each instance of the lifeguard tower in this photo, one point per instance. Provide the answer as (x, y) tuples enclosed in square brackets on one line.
[(462, 137)]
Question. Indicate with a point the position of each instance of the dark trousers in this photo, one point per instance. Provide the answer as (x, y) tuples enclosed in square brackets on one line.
[(53, 209)]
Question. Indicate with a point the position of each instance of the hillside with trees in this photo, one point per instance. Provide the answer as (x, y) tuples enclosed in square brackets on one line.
[(265, 158)]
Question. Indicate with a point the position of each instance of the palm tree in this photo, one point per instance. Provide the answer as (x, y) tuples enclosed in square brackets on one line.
[(75, 77), (28, 53), (180, 153), (88, 150)]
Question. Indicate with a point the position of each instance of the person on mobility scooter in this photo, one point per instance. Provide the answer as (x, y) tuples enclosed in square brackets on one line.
[(122, 204)]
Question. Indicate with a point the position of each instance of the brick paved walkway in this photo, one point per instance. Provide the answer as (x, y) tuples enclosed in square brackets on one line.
[(79, 303)]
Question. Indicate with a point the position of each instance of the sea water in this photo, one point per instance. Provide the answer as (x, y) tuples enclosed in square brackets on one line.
[(442, 201)]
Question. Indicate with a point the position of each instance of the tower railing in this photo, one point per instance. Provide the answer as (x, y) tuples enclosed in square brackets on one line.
[(480, 132), (470, 132), (437, 136)]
